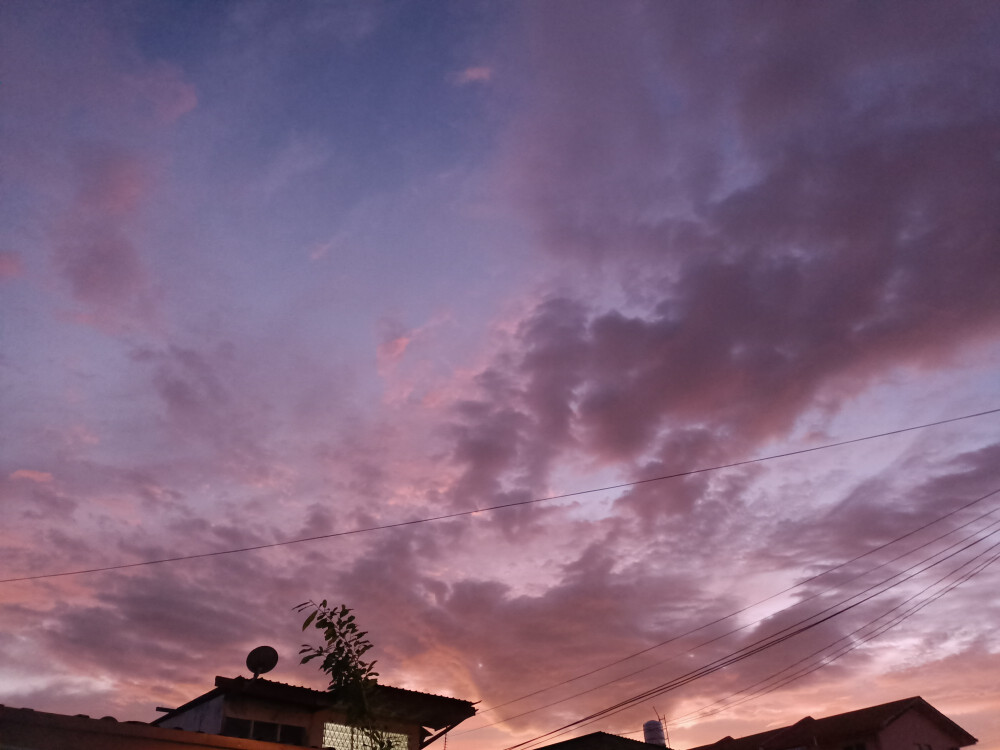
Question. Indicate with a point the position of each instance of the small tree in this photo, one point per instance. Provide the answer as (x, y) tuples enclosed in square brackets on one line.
[(352, 679)]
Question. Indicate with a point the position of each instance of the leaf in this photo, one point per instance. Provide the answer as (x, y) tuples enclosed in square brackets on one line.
[(309, 620)]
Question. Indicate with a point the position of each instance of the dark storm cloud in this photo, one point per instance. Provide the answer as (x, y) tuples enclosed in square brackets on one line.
[(845, 230)]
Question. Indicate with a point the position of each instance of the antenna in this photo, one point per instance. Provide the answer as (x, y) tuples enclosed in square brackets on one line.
[(262, 659), (663, 723)]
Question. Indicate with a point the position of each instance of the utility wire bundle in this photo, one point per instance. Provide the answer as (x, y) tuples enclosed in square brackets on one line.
[(962, 559)]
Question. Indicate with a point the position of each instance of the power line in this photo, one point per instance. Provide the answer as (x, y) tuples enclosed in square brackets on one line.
[(713, 667), (741, 611), (502, 506), (769, 641), (853, 644), (701, 713)]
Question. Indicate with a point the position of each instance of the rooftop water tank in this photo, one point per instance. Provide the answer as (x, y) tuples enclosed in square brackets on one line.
[(652, 732)]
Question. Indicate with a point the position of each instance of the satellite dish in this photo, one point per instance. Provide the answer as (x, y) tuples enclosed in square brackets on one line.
[(262, 659)]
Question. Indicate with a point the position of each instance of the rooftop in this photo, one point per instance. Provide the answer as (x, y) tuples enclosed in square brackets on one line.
[(809, 732), (601, 741), (408, 706)]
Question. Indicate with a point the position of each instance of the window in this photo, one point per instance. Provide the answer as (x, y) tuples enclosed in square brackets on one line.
[(266, 731), (236, 727), (293, 735), (343, 737)]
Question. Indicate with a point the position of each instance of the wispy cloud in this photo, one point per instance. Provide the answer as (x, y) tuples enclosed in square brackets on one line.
[(476, 74)]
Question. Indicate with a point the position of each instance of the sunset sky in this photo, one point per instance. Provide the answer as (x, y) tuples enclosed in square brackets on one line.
[(275, 270)]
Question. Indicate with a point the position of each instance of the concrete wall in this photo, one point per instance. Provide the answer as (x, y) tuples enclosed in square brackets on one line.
[(205, 717)]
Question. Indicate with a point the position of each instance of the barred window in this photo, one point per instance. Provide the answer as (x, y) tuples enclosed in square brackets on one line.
[(343, 737)]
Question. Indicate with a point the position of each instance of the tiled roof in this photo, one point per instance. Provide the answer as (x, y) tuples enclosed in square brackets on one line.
[(810, 732)]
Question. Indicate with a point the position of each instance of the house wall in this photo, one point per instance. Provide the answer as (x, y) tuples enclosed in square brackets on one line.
[(321, 717), (913, 731), (870, 742), (205, 717), (249, 707), (209, 716)]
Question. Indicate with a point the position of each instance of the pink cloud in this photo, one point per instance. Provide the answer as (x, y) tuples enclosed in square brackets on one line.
[(92, 248), (761, 263), (98, 83), (10, 265), (826, 253), (391, 351), (42, 477), (104, 269), (163, 86), (110, 181), (479, 74)]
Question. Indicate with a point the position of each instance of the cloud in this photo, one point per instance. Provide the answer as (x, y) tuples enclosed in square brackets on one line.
[(98, 85), (163, 86), (395, 341), (786, 235), (10, 265), (92, 249), (479, 74), (42, 477), (391, 351), (754, 217), (86, 130), (212, 414), (850, 236)]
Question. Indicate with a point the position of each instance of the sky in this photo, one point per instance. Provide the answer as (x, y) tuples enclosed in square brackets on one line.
[(277, 270)]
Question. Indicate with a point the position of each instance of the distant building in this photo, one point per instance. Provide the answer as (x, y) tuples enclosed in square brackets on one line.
[(244, 714), (908, 724)]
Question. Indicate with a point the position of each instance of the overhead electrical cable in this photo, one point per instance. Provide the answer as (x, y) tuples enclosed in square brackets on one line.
[(717, 665), (711, 710), (742, 610), (769, 641), (502, 506), (751, 649), (802, 673), (701, 712), (827, 658)]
